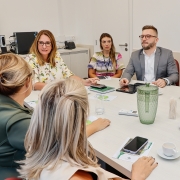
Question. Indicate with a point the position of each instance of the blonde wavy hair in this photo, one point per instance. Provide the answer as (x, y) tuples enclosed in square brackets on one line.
[(58, 129), (14, 71), (34, 48)]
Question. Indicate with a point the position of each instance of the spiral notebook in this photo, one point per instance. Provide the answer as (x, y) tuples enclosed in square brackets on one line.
[(103, 90)]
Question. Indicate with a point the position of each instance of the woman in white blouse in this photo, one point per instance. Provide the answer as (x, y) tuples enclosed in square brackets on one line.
[(48, 65), (47, 62), (56, 141)]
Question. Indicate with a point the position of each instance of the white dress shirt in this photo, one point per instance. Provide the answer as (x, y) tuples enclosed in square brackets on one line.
[(149, 75), (149, 67)]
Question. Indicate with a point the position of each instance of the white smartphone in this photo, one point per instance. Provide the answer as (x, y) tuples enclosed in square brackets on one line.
[(128, 112), (135, 145)]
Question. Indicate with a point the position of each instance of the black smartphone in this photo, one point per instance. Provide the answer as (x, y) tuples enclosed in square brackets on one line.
[(135, 145), (131, 88), (101, 77), (99, 86), (127, 89)]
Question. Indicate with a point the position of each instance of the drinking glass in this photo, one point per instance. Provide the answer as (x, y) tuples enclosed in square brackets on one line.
[(99, 107)]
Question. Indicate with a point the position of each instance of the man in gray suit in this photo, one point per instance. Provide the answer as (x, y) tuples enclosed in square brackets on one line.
[(151, 63)]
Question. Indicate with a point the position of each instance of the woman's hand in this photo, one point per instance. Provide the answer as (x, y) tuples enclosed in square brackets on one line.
[(97, 125), (101, 124), (143, 167), (91, 81)]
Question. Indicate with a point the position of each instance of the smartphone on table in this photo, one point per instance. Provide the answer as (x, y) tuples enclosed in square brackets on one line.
[(127, 89), (102, 77), (131, 88), (99, 86), (135, 145)]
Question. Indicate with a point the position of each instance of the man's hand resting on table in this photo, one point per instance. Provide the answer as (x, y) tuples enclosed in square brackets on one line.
[(124, 82), (160, 83)]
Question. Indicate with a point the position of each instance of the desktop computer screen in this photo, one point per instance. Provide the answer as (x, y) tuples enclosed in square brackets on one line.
[(23, 41)]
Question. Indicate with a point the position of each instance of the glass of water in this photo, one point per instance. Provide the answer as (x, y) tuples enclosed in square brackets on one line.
[(99, 108)]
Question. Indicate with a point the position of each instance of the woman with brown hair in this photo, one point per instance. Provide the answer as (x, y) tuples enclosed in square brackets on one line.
[(47, 62), (15, 86), (56, 141), (107, 62)]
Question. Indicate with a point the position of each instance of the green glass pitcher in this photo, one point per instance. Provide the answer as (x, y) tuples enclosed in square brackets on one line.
[(147, 102)]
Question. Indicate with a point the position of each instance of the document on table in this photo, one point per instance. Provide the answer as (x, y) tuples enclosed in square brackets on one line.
[(121, 154), (104, 97), (90, 119)]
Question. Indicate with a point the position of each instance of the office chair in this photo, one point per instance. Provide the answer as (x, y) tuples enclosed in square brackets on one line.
[(177, 64)]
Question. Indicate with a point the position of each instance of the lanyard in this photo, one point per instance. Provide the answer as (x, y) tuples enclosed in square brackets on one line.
[(107, 63)]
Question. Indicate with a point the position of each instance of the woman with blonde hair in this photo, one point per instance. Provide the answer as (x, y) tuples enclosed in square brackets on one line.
[(56, 141), (108, 62), (15, 86), (47, 63)]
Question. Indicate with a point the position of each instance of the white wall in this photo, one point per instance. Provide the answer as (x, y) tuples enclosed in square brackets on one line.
[(164, 15), (28, 15), (76, 19)]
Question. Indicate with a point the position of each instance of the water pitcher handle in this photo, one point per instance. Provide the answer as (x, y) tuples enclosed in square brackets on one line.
[(147, 97)]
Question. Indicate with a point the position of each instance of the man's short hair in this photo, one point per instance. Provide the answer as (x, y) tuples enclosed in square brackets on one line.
[(150, 27)]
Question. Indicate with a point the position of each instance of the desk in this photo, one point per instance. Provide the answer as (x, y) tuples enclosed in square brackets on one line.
[(107, 141)]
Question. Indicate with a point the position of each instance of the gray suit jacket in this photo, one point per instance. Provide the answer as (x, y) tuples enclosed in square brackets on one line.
[(164, 66)]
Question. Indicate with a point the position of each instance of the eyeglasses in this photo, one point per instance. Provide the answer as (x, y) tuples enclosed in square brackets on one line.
[(47, 43), (147, 36)]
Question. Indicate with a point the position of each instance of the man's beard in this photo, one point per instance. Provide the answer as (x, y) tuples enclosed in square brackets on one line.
[(149, 46)]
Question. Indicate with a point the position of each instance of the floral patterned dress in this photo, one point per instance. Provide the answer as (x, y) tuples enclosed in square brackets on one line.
[(103, 65), (48, 73)]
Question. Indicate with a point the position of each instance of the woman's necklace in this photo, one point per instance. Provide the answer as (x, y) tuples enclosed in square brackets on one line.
[(106, 63)]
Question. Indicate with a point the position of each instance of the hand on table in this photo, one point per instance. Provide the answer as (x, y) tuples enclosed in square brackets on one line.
[(97, 125), (101, 123), (124, 82), (91, 81), (143, 167), (160, 83)]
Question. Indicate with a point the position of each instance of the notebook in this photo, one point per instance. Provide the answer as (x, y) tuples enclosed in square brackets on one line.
[(102, 91)]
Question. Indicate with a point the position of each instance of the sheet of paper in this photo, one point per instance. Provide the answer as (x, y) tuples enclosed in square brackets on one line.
[(120, 154), (90, 119), (104, 97)]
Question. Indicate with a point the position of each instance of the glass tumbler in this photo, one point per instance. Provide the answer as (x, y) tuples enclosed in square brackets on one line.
[(99, 107)]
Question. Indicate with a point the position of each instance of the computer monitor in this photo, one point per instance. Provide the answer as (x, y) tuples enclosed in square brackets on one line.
[(23, 41)]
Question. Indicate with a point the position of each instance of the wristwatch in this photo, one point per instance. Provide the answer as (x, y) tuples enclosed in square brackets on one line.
[(166, 81)]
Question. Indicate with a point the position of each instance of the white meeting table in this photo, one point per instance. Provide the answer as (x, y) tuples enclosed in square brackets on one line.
[(107, 141)]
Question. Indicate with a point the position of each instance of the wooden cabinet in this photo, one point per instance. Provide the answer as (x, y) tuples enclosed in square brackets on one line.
[(77, 60)]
